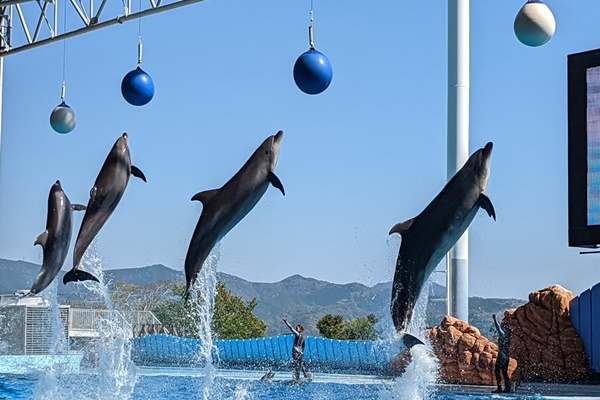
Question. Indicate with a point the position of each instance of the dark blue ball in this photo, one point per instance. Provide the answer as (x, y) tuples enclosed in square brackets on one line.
[(312, 72), (137, 87)]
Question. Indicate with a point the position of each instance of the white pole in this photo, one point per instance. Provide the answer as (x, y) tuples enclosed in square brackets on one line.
[(1, 90), (457, 260)]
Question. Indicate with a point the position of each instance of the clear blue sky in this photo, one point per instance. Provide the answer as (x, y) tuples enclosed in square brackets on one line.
[(367, 153)]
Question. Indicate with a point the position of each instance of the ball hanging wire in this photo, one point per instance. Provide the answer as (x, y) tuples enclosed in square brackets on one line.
[(137, 86), (62, 118), (312, 71), (534, 24)]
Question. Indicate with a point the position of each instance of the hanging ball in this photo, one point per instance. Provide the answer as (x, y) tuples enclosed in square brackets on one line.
[(137, 87), (62, 119), (312, 72), (534, 24)]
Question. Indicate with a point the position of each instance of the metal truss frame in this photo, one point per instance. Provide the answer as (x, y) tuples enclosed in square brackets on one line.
[(45, 29)]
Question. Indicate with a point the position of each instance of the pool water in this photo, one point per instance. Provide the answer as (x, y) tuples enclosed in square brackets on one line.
[(187, 383)]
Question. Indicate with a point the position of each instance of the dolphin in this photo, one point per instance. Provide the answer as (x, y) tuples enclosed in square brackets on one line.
[(223, 208), (104, 197), (55, 240), (428, 237)]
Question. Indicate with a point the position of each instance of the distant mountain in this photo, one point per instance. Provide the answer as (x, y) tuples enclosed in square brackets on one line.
[(302, 300)]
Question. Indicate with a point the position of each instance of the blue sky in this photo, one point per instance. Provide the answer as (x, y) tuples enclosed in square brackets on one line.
[(367, 153)]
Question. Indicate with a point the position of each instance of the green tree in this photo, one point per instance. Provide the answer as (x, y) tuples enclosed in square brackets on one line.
[(179, 315), (332, 327), (234, 319), (362, 328)]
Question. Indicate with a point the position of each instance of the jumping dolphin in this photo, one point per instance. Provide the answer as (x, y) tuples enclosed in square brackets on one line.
[(55, 240), (429, 236), (104, 197), (223, 208)]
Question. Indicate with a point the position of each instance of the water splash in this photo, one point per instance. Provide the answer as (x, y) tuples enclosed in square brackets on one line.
[(114, 375), (202, 312), (58, 343), (116, 371), (418, 380)]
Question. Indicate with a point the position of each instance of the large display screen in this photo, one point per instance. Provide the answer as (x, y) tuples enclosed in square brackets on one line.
[(584, 148), (593, 145)]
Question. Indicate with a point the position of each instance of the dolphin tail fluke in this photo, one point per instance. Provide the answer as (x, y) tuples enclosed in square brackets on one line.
[(410, 340), (78, 275)]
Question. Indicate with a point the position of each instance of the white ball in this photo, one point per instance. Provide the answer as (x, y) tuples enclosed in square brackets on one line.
[(534, 24)]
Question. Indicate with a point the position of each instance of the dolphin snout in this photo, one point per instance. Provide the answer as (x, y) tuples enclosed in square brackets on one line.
[(125, 136), (488, 148), (278, 136)]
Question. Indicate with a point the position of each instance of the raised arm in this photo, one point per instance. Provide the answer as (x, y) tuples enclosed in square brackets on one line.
[(294, 331), (498, 328)]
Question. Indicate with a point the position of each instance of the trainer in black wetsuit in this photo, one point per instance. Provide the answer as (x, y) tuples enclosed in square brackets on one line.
[(504, 333), (298, 350)]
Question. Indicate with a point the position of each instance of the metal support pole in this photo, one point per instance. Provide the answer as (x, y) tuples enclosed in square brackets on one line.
[(1, 90), (457, 260)]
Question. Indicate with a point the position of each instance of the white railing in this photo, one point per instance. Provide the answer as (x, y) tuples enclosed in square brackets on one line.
[(89, 322)]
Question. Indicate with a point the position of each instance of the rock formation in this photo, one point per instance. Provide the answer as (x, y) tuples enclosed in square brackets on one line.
[(544, 346), (465, 356), (544, 340)]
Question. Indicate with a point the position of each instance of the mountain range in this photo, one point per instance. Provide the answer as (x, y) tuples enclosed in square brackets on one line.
[(302, 300)]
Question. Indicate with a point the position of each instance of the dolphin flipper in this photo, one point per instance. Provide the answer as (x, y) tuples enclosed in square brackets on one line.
[(135, 171), (75, 275), (402, 227), (486, 204), (41, 239), (276, 182), (410, 340), (78, 207)]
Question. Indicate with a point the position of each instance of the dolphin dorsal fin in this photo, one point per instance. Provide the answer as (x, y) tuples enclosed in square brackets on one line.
[(205, 196), (78, 207), (486, 204), (135, 171), (402, 227), (41, 239), (275, 181)]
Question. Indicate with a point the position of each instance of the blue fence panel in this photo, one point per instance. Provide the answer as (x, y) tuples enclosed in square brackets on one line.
[(312, 355), (595, 360), (323, 354), (585, 321), (574, 312)]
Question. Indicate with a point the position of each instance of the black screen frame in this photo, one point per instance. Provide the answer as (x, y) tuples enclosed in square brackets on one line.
[(580, 233)]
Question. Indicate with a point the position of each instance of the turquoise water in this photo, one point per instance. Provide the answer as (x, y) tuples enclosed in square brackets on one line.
[(185, 383)]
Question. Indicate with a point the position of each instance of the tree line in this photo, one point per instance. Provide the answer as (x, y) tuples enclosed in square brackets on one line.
[(233, 318)]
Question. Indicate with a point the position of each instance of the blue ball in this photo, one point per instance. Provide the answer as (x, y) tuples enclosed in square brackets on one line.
[(137, 87), (312, 72), (62, 119)]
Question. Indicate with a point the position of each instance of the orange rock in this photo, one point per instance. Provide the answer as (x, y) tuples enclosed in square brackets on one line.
[(544, 345), (544, 341)]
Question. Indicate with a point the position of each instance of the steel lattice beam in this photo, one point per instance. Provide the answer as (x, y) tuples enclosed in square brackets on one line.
[(46, 27)]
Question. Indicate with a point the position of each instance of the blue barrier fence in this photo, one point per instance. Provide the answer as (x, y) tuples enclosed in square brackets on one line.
[(273, 352), (585, 315)]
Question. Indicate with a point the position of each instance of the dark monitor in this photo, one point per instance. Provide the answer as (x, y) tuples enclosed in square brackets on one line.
[(584, 148)]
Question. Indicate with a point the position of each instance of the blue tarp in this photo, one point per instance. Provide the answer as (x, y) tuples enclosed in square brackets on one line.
[(319, 353)]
